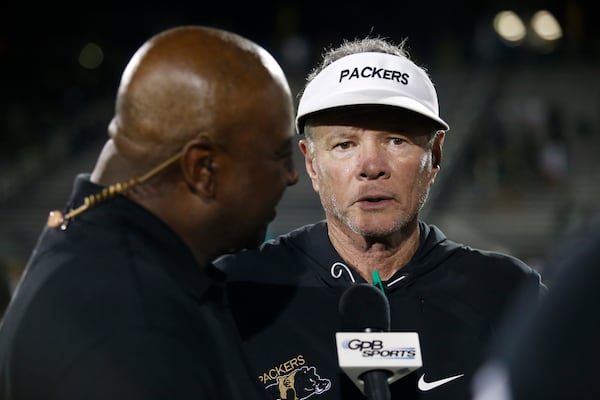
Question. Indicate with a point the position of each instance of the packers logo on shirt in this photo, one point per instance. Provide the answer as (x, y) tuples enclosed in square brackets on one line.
[(299, 384)]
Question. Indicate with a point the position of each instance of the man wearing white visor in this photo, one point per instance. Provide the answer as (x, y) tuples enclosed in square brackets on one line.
[(372, 142)]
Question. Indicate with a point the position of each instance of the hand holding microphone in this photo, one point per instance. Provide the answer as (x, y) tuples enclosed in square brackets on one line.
[(369, 354)]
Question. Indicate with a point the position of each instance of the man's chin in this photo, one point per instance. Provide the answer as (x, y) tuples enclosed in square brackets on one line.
[(373, 230)]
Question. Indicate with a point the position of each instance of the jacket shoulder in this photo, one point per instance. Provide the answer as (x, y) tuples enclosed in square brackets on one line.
[(272, 256)]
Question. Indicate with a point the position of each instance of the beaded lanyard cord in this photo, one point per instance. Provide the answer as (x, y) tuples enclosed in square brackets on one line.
[(56, 219)]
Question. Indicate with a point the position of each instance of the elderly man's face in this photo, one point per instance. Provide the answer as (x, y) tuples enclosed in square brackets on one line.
[(372, 168)]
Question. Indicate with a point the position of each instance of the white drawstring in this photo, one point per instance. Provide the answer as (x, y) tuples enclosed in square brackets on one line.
[(337, 272), (395, 281)]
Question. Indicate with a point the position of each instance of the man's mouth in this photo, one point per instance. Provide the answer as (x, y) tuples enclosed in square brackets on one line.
[(373, 199)]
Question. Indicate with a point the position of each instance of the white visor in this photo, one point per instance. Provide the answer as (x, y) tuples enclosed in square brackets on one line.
[(370, 78)]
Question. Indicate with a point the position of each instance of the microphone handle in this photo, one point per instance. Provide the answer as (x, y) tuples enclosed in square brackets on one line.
[(376, 384)]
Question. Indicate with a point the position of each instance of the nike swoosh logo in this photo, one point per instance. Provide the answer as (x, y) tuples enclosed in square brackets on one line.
[(425, 386)]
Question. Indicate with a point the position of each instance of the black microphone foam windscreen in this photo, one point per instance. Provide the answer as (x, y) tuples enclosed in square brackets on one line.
[(363, 307)]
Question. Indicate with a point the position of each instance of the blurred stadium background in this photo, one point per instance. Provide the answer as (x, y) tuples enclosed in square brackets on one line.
[(518, 81)]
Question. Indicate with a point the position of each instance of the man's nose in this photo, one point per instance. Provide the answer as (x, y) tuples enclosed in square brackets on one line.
[(373, 163)]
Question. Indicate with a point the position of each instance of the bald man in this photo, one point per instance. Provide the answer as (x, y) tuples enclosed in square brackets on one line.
[(120, 299)]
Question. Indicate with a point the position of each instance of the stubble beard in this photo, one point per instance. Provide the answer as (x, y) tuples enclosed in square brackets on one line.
[(332, 208)]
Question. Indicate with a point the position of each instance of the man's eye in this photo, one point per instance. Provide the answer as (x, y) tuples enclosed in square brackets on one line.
[(343, 145), (397, 140)]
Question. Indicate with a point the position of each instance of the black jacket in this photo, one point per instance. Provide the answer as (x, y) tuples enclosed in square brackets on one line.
[(285, 300), (116, 307)]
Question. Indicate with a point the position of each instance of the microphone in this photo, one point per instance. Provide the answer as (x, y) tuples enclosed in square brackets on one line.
[(368, 353)]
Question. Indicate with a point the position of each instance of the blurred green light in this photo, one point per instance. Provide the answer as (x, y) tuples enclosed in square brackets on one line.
[(91, 56)]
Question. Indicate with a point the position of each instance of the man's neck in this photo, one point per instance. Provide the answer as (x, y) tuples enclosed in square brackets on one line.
[(384, 255)]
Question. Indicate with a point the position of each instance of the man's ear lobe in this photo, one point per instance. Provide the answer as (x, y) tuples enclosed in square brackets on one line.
[(198, 166)]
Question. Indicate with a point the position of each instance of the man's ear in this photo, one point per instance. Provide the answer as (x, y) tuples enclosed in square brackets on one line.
[(309, 163), (198, 166)]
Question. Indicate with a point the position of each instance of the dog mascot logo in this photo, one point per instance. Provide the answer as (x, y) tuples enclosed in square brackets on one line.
[(299, 384)]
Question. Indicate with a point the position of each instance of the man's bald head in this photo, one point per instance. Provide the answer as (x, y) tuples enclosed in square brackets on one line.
[(203, 127), (189, 81)]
